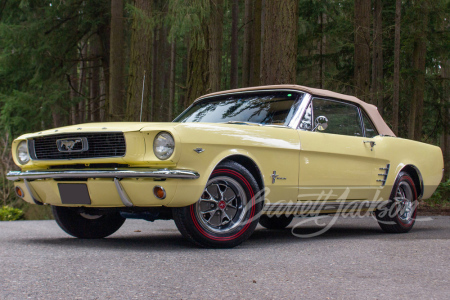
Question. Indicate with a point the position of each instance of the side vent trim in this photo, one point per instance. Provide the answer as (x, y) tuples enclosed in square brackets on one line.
[(384, 175)]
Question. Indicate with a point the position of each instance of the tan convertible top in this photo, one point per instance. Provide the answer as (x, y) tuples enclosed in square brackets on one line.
[(370, 109)]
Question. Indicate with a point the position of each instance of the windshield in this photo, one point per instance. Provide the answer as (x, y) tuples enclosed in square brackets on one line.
[(265, 108)]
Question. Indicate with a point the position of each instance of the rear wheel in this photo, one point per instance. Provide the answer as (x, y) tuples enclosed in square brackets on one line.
[(399, 215), (87, 226), (226, 213), (275, 221)]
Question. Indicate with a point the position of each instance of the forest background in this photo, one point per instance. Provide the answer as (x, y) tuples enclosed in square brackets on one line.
[(74, 61)]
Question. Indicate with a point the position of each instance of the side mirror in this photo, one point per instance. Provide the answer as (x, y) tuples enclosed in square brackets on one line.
[(321, 123)]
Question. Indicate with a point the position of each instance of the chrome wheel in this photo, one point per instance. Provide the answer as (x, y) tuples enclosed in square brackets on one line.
[(400, 214), (222, 206), (404, 199), (227, 211)]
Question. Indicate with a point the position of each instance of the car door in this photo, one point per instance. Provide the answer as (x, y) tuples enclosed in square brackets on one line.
[(336, 162)]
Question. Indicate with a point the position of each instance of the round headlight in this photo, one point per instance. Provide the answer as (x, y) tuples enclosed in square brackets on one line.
[(163, 145), (22, 153)]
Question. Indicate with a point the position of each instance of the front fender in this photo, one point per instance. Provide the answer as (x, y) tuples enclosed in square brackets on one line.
[(271, 149)]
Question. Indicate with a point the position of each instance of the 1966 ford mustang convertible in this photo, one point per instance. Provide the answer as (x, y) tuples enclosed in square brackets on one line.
[(230, 160)]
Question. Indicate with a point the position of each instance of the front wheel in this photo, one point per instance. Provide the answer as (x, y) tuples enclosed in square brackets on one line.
[(226, 213), (87, 226), (399, 215)]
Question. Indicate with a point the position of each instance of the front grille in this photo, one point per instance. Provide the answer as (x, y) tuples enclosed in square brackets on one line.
[(111, 144)]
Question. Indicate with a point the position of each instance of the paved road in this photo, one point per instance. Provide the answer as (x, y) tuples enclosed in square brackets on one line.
[(152, 261)]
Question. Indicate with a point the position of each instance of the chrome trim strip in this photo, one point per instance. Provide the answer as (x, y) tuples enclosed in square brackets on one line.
[(321, 206), (33, 193), (118, 173), (362, 125), (295, 122), (123, 195)]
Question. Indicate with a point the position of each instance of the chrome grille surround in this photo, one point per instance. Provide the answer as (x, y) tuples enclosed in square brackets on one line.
[(101, 145)]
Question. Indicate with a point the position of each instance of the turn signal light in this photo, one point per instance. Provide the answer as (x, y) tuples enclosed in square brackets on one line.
[(159, 192), (19, 192)]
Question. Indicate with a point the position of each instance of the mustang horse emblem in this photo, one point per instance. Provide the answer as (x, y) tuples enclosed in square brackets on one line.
[(67, 145)]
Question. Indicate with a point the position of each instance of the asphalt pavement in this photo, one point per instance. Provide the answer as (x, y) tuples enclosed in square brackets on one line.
[(143, 260)]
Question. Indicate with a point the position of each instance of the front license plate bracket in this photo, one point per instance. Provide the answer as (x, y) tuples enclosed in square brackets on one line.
[(74, 193)]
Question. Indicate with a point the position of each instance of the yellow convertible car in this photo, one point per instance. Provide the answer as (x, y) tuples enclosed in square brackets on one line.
[(230, 160)]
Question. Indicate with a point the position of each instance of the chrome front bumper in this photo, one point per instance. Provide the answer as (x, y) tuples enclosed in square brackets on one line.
[(117, 173)]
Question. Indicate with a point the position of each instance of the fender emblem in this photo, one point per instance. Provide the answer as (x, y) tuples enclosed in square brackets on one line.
[(276, 176), (199, 150)]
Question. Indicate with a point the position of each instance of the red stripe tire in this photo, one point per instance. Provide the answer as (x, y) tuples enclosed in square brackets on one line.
[(400, 214), (226, 213)]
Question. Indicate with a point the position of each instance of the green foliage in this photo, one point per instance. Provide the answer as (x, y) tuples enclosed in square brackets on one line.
[(39, 41), (8, 213), (441, 196), (327, 26)]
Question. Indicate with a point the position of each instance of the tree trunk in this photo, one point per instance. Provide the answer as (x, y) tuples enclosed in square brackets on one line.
[(155, 76), (256, 52), (280, 42), (198, 66), (246, 52), (445, 143), (197, 75), (234, 45), (396, 100), (56, 114), (160, 79), (82, 91), (158, 73), (103, 96), (377, 57), (73, 84), (116, 92), (104, 33), (173, 63), (215, 25), (419, 56), (95, 79), (184, 101), (362, 49), (140, 62)]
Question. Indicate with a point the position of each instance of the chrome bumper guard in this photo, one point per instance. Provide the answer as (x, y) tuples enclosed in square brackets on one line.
[(117, 174)]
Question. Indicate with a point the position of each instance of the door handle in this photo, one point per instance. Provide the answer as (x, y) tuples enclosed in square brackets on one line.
[(372, 143)]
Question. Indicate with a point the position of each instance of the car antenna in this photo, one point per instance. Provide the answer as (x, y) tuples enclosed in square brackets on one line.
[(142, 100)]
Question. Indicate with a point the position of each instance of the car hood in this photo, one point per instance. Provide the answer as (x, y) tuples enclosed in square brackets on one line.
[(93, 127)]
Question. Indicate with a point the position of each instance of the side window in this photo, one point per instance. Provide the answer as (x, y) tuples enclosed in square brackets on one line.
[(370, 129), (342, 118)]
